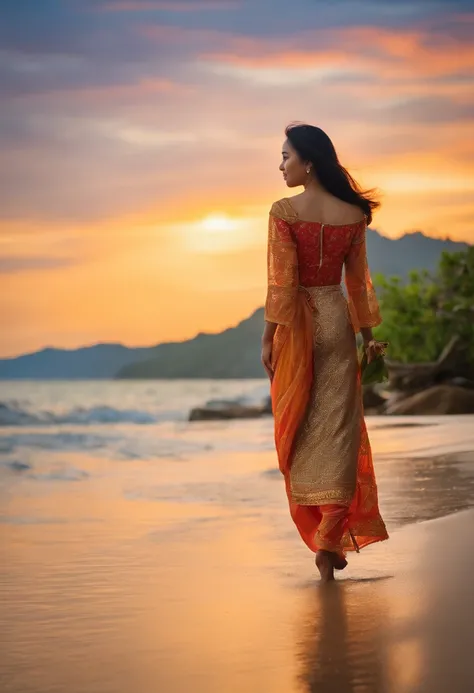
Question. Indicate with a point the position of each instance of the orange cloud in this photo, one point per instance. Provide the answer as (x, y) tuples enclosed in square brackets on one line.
[(389, 53), (288, 59), (411, 53)]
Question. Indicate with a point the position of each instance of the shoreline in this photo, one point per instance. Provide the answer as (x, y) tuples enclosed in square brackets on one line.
[(237, 610), (185, 572)]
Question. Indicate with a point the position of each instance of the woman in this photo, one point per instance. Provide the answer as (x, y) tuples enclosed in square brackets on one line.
[(309, 349)]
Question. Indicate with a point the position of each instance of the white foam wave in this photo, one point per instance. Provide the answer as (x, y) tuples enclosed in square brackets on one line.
[(13, 415)]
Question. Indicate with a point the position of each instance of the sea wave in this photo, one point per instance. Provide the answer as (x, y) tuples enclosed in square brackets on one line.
[(13, 415), (16, 414)]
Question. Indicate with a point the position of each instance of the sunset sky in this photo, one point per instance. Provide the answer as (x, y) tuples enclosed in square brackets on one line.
[(141, 142)]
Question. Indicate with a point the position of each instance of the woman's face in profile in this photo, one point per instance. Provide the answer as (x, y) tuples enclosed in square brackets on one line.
[(293, 169)]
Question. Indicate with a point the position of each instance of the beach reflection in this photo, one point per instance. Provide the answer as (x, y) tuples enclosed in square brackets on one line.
[(188, 575), (343, 642)]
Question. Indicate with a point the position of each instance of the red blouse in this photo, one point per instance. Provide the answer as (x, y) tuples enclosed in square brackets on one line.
[(310, 253)]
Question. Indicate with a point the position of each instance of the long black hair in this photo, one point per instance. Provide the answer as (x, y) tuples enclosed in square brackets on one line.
[(313, 145)]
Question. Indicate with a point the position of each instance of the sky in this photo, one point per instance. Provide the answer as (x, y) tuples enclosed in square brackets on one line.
[(141, 141)]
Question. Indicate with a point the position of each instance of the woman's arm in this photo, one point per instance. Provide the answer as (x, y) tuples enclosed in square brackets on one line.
[(282, 271), (269, 332), (367, 334), (363, 304), (282, 285)]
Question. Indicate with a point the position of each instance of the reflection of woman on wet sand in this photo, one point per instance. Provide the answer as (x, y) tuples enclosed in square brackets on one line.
[(325, 661), (309, 349), (343, 640)]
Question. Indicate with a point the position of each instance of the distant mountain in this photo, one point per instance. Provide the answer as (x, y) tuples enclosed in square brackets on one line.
[(93, 362), (234, 353), (409, 252)]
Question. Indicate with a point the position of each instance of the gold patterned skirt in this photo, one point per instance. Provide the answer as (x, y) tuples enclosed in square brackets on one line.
[(326, 450)]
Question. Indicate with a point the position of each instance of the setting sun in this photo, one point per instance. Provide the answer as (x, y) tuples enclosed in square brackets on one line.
[(218, 233), (218, 223)]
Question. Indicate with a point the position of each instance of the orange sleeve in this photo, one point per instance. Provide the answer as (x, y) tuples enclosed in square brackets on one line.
[(363, 304), (282, 266)]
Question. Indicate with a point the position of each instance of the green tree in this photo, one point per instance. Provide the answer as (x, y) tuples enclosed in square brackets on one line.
[(423, 314)]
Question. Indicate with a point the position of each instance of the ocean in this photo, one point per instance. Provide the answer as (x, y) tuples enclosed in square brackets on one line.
[(76, 431), (140, 551), (122, 420)]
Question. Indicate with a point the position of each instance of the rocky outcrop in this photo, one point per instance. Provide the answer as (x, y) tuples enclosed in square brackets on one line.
[(232, 411), (444, 386), (414, 377), (440, 399), (224, 410)]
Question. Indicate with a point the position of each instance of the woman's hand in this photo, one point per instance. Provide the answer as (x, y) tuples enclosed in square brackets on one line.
[(267, 347), (373, 349)]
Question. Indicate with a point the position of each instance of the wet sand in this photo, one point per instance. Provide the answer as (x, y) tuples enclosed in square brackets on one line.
[(106, 591)]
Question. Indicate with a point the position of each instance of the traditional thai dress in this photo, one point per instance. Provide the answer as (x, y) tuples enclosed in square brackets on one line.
[(320, 435)]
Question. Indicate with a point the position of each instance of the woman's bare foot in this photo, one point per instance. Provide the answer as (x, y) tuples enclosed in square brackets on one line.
[(325, 565), (338, 560)]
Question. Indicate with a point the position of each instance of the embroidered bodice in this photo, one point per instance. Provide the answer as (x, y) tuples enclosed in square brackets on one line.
[(310, 253)]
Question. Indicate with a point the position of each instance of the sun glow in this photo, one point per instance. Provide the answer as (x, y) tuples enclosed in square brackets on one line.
[(218, 223), (219, 233)]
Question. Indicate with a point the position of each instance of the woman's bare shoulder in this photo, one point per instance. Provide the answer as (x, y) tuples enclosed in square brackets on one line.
[(345, 213), (327, 209)]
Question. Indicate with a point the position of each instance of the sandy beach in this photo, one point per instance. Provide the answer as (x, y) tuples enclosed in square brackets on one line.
[(228, 613), (177, 575)]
